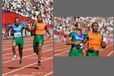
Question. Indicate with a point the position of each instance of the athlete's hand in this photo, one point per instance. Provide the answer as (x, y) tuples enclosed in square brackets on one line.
[(85, 47), (27, 25), (91, 50), (49, 37), (7, 37), (103, 44), (78, 42)]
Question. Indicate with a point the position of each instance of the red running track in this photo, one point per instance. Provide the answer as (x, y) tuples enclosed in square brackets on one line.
[(29, 67), (108, 51)]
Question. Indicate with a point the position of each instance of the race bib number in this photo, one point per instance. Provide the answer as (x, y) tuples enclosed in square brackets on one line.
[(78, 46), (17, 35)]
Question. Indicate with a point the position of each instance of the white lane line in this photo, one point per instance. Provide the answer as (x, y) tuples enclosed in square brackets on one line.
[(26, 56), (32, 55), (106, 47), (25, 42), (32, 49), (110, 53), (27, 49), (26, 66), (24, 46), (23, 38), (48, 73), (30, 65), (11, 40)]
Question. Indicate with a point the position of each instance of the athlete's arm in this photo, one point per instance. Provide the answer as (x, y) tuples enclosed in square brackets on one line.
[(85, 44), (32, 28), (86, 39), (7, 32), (27, 28), (48, 32), (69, 42)]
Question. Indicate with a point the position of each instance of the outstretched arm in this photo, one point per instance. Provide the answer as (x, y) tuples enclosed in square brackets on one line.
[(32, 28)]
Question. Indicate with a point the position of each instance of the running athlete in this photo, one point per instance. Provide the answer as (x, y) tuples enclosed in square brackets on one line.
[(39, 28), (94, 41), (75, 39), (17, 38)]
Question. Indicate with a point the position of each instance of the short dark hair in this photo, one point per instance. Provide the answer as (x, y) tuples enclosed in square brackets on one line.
[(17, 18), (76, 24), (94, 23), (39, 15)]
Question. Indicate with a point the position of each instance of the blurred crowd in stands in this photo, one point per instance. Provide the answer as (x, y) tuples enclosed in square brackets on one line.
[(64, 25), (31, 8)]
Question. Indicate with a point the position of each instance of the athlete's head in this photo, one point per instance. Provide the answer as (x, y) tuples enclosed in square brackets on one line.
[(17, 21), (39, 18), (95, 26), (78, 26)]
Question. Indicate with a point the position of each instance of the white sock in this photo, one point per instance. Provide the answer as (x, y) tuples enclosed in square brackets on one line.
[(14, 55)]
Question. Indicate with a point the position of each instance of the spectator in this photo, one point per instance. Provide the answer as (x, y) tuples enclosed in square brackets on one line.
[(66, 24), (30, 8)]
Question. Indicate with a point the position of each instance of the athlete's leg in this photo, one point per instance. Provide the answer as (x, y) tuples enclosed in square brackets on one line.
[(14, 50), (35, 45), (21, 55), (40, 41), (75, 52), (95, 53), (20, 48), (39, 48)]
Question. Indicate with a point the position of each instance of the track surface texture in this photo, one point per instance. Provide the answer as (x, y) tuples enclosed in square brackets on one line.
[(29, 67)]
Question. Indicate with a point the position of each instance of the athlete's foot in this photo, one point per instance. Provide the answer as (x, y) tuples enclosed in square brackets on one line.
[(39, 63), (21, 62), (14, 57), (36, 53)]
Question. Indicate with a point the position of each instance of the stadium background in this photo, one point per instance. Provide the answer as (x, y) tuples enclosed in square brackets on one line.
[(64, 25)]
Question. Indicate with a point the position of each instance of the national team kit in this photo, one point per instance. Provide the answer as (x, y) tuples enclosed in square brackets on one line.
[(18, 35), (76, 49), (38, 37), (94, 42)]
